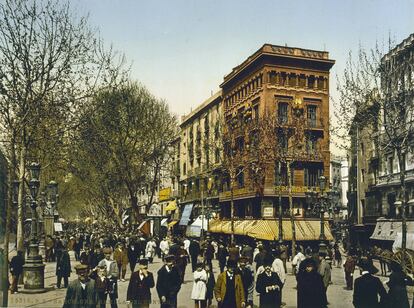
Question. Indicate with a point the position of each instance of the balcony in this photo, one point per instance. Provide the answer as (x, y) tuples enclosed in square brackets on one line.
[(237, 193)]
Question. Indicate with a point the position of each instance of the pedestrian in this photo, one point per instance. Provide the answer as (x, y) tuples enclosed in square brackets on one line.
[(324, 270), (81, 292), (211, 281), (247, 276), (367, 287), (49, 244), (209, 253), (222, 256), (168, 283), (63, 268), (349, 268), (228, 289), (199, 291), (16, 269), (338, 256), (121, 259), (234, 253), (269, 286), (150, 250), (164, 247), (132, 255), (247, 251), (397, 283), (181, 259), (139, 287), (112, 275), (194, 251), (279, 268), (187, 243), (102, 284), (296, 261), (260, 256), (284, 255), (310, 287)]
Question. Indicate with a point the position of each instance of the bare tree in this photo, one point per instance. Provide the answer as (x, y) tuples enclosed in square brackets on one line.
[(376, 90)]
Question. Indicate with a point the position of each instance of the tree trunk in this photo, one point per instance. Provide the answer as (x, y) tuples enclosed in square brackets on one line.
[(154, 182), (20, 206), (401, 161), (292, 216), (232, 213)]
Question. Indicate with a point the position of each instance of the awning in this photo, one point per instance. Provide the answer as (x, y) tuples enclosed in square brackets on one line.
[(185, 217), (306, 230), (142, 224), (398, 241), (200, 222), (164, 222), (172, 223), (172, 206), (386, 230)]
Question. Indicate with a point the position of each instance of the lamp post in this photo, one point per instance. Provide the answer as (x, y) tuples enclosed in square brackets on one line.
[(33, 270), (52, 189), (280, 218), (319, 201)]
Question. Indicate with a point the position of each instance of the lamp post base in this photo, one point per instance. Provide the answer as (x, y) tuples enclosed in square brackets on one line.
[(34, 275)]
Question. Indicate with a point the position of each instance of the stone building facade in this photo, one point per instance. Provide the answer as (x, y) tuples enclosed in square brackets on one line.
[(281, 80)]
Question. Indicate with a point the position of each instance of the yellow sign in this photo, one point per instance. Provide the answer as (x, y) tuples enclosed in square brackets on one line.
[(165, 194), (295, 189)]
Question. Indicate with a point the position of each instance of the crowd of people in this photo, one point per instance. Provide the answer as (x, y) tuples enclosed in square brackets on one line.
[(103, 256)]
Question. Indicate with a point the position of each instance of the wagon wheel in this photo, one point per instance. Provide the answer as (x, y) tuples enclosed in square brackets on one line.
[(408, 258)]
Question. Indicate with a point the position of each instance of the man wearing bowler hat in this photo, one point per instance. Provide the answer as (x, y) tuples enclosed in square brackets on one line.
[(140, 284), (112, 275), (81, 292), (229, 290), (367, 287), (168, 283)]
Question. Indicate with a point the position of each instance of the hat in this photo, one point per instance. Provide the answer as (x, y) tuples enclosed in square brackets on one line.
[(143, 261), (367, 265), (243, 259), (268, 260), (81, 267), (170, 258), (107, 250), (231, 264), (308, 251)]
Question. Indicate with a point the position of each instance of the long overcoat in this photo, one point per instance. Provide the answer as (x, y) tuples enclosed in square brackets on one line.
[(74, 299), (270, 299), (221, 287)]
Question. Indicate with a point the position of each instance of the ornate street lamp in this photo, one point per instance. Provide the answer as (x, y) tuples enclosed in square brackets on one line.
[(319, 201), (33, 270)]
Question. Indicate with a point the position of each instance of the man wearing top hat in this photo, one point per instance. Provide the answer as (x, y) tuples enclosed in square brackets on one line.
[(367, 287), (112, 275), (140, 284), (228, 289), (81, 292), (168, 283)]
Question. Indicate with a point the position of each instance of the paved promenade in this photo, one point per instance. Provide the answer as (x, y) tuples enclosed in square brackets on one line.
[(338, 297)]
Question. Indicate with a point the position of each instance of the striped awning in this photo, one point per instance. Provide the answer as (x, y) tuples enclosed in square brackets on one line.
[(305, 230)]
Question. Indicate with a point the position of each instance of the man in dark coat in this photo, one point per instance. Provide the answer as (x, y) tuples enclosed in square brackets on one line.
[(367, 288), (168, 283), (140, 284), (247, 276), (311, 290), (269, 286), (63, 268), (133, 253), (16, 269), (81, 292), (222, 254), (194, 250)]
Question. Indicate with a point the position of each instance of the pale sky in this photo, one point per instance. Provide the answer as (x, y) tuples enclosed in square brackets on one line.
[(181, 49)]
